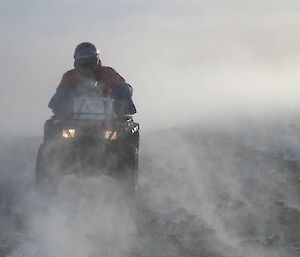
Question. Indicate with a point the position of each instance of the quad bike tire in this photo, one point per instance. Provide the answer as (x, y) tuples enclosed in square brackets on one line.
[(127, 174), (47, 178)]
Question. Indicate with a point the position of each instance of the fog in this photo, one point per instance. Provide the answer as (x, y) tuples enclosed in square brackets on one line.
[(203, 191), (216, 89), (214, 59)]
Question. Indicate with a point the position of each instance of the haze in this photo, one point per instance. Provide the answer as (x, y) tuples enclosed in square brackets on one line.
[(187, 60)]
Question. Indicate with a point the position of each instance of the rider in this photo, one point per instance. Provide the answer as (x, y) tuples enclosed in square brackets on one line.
[(88, 67)]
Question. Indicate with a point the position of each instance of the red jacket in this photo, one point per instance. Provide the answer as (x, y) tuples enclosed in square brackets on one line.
[(105, 75)]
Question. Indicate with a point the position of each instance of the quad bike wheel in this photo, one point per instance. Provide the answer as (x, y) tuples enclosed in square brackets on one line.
[(127, 174), (47, 176)]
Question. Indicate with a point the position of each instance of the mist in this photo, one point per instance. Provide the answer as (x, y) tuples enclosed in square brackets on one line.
[(216, 89), (212, 58)]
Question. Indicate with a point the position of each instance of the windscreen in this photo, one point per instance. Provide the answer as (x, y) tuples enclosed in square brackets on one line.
[(92, 108)]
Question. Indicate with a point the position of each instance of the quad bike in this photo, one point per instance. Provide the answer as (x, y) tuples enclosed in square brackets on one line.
[(91, 141)]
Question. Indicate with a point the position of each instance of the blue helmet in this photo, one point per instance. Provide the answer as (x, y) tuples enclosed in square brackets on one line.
[(85, 50), (86, 56)]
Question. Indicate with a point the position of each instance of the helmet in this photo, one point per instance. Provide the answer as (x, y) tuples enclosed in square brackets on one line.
[(85, 50), (86, 56)]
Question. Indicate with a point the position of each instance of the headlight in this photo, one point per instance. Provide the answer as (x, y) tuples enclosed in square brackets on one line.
[(108, 134), (68, 133)]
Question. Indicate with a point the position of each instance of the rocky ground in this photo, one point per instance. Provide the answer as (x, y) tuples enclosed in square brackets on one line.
[(201, 193)]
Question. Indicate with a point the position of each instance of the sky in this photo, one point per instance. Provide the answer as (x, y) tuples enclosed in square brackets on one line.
[(188, 61)]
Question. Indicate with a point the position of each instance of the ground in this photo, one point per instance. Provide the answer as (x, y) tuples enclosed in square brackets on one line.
[(202, 192)]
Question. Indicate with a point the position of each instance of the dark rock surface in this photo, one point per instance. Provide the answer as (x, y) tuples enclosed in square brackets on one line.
[(200, 194)]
